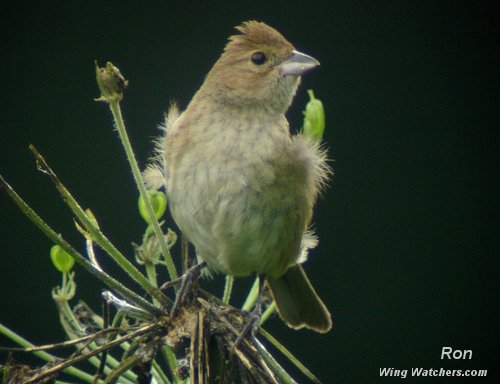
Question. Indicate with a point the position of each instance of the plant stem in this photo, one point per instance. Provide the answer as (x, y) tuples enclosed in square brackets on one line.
[(151, 274), (289, 355), (114, 105), (95, 232), (277, 368), (228, 288), (125, 366), (57, 239), (159, 371), (72, 328), (269, 310), (62, 365), (44, 355), (252, 296)]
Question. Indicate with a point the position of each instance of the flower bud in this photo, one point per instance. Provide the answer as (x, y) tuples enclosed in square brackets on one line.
[(314, 118), (110, 81), (61, 259), (159, 203)]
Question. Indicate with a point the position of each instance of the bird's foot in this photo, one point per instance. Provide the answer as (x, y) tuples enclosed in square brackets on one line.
[(251, 326), (188, 283)]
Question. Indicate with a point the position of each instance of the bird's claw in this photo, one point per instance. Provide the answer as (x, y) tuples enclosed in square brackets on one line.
[(251, 326), (187, 281)]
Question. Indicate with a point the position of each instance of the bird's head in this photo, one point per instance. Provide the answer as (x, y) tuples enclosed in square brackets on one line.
[(258, 67)]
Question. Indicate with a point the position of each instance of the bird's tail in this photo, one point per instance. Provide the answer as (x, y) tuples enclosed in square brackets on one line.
[(298, 303)]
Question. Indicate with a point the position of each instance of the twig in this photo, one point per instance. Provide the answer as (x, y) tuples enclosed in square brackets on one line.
[(69, 362)]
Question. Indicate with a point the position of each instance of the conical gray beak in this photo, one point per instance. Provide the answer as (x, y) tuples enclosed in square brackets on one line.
[(298, 64)]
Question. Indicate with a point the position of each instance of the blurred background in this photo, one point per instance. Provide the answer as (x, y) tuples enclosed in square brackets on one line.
[(408, 230)]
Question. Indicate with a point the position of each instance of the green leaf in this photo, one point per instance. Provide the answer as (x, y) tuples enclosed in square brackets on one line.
[(61, 259), (158, 202)]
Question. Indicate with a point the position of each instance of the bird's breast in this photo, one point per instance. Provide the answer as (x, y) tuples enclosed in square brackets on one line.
[(236, 195)]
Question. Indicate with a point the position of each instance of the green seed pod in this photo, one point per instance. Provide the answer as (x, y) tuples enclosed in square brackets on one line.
[(314, 118), (61, 259), (159, 202)]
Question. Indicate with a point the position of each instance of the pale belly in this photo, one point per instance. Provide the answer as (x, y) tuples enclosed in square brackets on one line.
[(241, 219)]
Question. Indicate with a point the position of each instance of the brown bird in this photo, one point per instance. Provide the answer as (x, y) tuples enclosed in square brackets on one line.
[(241, 188)]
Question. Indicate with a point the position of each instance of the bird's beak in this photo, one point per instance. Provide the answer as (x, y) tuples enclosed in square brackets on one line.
[(298, 64)]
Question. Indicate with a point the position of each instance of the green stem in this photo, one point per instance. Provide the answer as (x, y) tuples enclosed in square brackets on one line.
[(269, 310), (276, 367), (72, 328), (122, 368), (252, 296), (62, 365), (228, 288), (57, 239), (44, 355), (151, 274), (289, 355), (96, 233), (158, 370), (171, 361), (114, 105)]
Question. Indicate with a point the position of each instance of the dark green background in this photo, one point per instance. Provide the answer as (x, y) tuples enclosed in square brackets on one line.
[(408, 229)]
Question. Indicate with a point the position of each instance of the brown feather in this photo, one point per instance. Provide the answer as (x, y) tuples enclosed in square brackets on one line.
[(255, 35)]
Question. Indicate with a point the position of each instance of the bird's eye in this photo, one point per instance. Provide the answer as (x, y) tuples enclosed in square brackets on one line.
[(259, 58)]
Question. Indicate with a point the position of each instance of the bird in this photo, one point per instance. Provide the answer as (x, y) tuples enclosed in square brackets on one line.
[(241, 187)]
